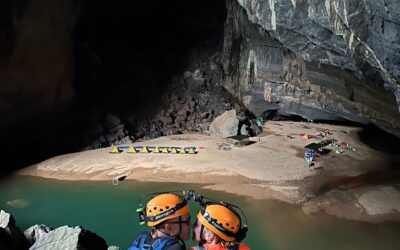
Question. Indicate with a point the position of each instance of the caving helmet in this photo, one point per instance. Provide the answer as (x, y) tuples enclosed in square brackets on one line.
[(162, 207), (223, 220)]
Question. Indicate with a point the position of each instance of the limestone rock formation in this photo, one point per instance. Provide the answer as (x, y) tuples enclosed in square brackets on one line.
[(69, 238), (326, 60), (35, 232), (42, 237), (225, 125), (10, 235)]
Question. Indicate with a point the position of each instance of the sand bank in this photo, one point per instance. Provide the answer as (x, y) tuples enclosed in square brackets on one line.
[(271, 167)]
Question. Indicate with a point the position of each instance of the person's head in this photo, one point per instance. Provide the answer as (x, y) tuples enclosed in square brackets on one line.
[(217, 223), (169, 214)]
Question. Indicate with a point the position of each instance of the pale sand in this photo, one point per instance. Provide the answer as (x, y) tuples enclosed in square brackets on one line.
[(270, 168)]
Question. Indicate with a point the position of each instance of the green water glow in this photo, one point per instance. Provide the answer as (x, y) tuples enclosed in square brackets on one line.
[(109, 211)]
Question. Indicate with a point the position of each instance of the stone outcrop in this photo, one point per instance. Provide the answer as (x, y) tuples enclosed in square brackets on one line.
[(10, 235), (35, 232), (225, 125), (72, 238), (42, 237), (326, 60)]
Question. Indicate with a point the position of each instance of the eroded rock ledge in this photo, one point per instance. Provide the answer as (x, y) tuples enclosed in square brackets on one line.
[(326, 60)]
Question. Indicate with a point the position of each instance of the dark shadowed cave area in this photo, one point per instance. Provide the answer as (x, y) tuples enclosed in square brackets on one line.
[(127, 52), (124, 56)]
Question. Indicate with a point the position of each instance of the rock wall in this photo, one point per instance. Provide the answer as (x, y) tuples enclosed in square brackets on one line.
[(327, 60), (36, 72)]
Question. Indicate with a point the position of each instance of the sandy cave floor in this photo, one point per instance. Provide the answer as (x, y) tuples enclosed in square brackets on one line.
[(355, 185)]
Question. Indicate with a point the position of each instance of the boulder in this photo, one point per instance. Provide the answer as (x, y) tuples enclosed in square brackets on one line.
[(123, 141), (165, 119), (6, 219), (244, 130), (35, 232), (10, 235), (187, 75), (225, 125), (255, 129), (68, 238), (198, 81)]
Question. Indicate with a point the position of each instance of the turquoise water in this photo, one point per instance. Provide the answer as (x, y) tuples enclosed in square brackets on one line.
[(110, 212)]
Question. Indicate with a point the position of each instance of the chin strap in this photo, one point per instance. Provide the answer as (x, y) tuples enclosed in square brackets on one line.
[(202, 241), (180, 226), (180, 230)]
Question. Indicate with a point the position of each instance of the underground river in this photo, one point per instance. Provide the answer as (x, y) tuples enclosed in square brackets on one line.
[(109, 211)]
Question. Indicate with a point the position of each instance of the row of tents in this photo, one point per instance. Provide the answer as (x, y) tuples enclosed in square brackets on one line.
[(153, 149)]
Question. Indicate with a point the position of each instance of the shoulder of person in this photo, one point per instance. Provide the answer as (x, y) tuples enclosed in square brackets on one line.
[(177, 245), (243, 246), (172, 243)]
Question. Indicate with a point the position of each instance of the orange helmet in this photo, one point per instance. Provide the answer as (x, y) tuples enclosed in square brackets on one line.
[(221, 220), (164, 207)]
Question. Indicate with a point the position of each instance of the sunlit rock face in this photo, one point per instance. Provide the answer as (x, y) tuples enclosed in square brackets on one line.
[(36, 72), (327, 60)]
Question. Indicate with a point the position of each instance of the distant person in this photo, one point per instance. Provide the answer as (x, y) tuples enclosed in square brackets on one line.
[(218, 226), (168, 215)]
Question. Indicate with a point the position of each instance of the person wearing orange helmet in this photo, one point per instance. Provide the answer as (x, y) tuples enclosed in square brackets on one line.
[(168, 215), (219, 226)]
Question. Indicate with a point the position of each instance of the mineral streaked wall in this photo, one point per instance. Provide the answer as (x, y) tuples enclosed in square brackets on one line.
[(36, 73), (321, 60)]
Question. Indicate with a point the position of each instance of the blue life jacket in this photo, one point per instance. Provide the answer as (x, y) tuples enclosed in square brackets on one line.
[(145, 242)]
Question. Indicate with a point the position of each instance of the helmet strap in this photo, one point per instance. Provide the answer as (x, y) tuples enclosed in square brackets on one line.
[(202, 241), (180, 225), (180, 230)]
